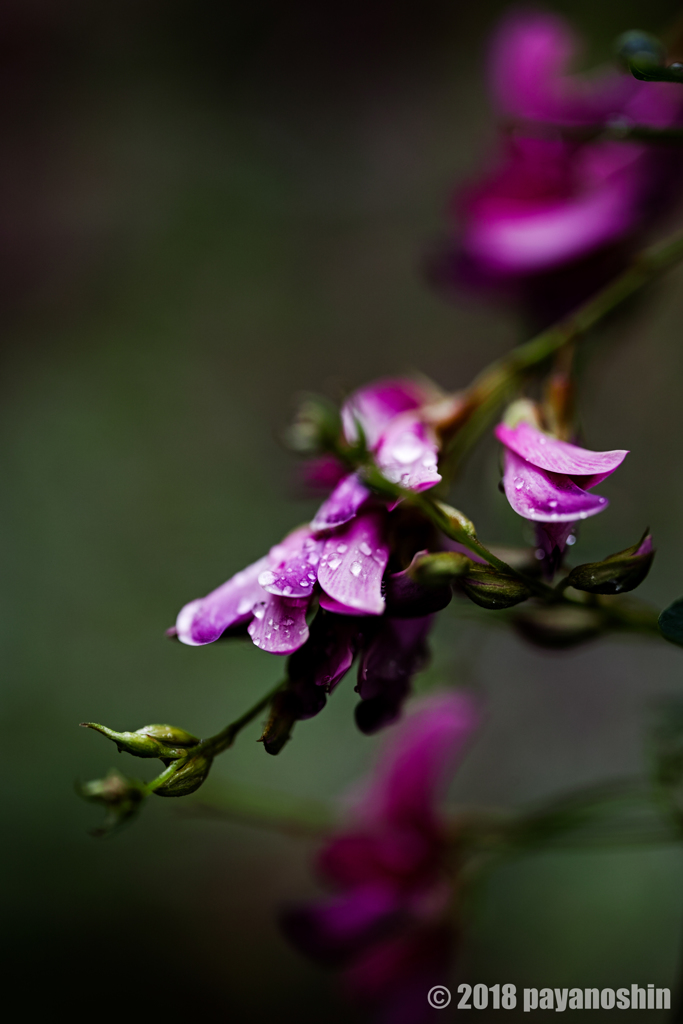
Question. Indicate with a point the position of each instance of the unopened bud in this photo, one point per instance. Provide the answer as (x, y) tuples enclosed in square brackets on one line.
[(316, 428), (616, 574), (122, 798), (559, 625), (187, 778), (492, 589), (454, 521), (438, 568), (164, 741)]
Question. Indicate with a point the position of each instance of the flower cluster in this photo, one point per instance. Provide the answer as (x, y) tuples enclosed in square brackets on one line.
[(344, 568), (390, 927), (561, 196)]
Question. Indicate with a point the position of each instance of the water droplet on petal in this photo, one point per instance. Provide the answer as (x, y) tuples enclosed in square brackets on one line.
[(365, 548), (356, 568), (335, 563)]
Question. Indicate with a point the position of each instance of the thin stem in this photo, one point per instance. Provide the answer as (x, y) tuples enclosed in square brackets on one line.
[(490, 388)]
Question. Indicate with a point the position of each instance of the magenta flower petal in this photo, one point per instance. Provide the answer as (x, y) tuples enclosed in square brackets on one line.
[(418, 760), (559, 456), (375, 406), (353, 563), (407, 453), (206, 619), (395, 653), (292, 566), (546, 497), (279, 624), (342, 505), (334, 930), (329, 652)]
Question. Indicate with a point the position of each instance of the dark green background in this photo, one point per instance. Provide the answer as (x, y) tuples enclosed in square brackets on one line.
[(205, 209)]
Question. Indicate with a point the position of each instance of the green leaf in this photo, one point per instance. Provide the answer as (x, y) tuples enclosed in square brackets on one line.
[(671, 622)]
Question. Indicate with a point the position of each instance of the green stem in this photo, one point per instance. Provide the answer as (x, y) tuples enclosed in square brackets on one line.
[(491, 387)]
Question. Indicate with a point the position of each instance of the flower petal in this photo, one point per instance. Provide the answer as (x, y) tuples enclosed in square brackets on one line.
[(342, 505), (204, 620), (334, 930), (292, 566), (328, 654), (407, 453), (546, 497), (353, 563), (417, 762), (559, 456), (279, 624), (376, 405)]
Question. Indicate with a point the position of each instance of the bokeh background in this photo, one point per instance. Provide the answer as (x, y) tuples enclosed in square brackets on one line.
[(205, 209)]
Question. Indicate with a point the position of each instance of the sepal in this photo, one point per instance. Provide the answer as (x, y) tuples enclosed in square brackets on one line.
[(278, 729), (165, 741), (616, 574)]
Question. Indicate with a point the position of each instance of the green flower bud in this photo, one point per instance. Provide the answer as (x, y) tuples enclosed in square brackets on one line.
[(616, 574), (188, 777), (492, 589), (164, 741), (122, 798), (316, 428), (559, 625), (433, 570), (455, 520)]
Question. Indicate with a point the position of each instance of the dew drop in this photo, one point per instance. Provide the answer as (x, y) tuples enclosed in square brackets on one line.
[(266, 578), (334, 563), (356, 568), (519, 483), (244, 606), (304, 583), (365, 548), (552, 503), (342, 548)]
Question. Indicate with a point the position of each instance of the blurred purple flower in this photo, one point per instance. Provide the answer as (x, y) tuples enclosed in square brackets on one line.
[(390, 927), (552, 201), (342, 555), (547, 481)]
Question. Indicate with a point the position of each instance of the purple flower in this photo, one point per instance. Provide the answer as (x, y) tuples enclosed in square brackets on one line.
[(548, 481), (550, 201), (387, 927), (341, 557)]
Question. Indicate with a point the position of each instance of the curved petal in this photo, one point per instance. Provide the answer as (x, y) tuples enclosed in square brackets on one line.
[(546, 497), (353, 563), (375, 406), (342, 505), (206, 619), (328, 654), (292, 567), (407, 453), (394, 653), (279, 625), (559, 456)]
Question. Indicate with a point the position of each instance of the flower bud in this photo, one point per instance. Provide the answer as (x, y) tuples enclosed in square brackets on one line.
[(455, 521), (492, 589), (187, 778), (438, 568), (122, 798), (316, 428), (559, 625), (164, 741), (616, 574)]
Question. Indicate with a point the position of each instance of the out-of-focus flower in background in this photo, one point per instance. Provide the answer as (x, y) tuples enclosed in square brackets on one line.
[(552, 200), (392, 925)]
